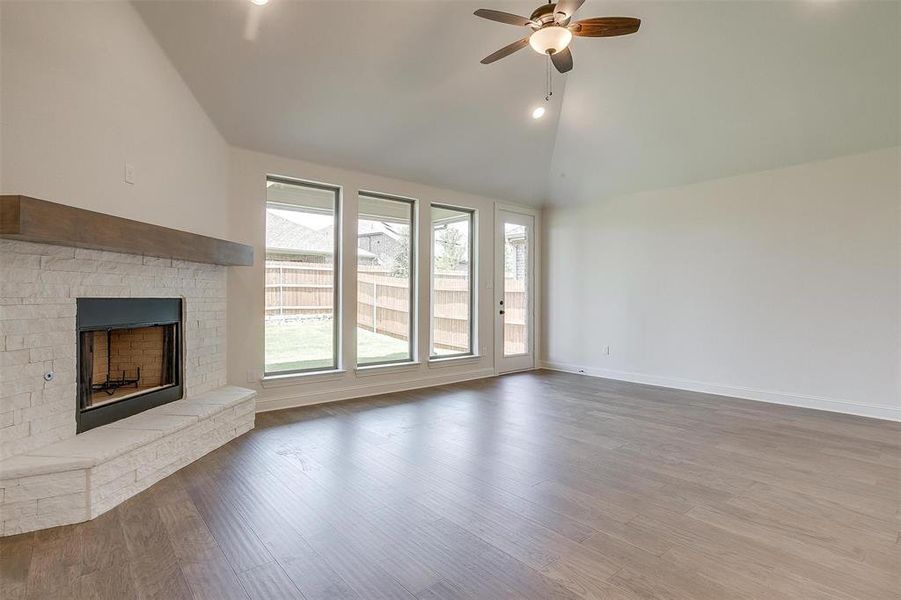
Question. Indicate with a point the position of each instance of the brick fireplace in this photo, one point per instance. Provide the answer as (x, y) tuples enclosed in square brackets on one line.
[(54, 469), (40, 287)]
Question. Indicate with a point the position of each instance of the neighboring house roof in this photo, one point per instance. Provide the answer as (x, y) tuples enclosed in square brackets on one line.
[(371, 228), (287, 237)]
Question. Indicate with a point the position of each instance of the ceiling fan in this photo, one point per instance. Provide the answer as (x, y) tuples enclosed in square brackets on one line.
[(553, 29)]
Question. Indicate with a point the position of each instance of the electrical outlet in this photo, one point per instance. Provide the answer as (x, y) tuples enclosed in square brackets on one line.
[(607, 350), (129, 173)]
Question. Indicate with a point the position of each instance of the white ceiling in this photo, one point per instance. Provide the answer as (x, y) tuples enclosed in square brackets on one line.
[(704, 90)]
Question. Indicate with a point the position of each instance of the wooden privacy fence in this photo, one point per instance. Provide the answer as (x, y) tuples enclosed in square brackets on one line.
[(383, 302)]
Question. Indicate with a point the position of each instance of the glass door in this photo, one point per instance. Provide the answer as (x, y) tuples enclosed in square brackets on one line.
[(514, 301)]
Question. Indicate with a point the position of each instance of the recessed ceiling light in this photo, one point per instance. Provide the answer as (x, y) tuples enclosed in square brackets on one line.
[(538, 112), (260, 2)]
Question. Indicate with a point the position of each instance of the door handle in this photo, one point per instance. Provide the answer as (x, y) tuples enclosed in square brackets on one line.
[(501, 312)]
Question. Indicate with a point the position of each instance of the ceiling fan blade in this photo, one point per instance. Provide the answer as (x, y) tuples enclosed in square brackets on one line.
[(506, 51), (605, 26), (568, 8), (563, 60), (502, 17)]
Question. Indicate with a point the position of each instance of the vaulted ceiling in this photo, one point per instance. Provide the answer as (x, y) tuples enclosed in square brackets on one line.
[(704, 90)]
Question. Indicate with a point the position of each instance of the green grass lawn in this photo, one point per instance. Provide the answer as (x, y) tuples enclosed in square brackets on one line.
[(308, 345)]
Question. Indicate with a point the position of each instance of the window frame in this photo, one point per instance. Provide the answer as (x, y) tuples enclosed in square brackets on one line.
[(337, 274), (471, 212), (414, 279)]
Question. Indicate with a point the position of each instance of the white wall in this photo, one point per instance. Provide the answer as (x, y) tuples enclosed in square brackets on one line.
[(84, 88), (247, 189), (781, 285)]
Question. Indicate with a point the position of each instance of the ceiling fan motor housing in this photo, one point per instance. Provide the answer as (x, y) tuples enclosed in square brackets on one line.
[(546, 15)]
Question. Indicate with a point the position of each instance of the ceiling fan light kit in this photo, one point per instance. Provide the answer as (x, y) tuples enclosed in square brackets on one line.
[(550, 40)]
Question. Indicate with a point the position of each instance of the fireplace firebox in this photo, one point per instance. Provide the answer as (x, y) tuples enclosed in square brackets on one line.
[(129, 357)]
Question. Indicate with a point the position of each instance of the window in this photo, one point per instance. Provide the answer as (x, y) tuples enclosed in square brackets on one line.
[(301, 277), (452, 282), (385, 282), (516, 289)]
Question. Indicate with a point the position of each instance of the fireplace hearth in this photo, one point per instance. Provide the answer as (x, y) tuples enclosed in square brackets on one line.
[(129, 357)]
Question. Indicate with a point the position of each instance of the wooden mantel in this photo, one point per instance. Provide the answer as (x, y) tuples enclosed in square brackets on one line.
[(43, 222)]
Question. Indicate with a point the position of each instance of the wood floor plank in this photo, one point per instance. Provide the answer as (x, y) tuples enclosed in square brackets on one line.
[(112, 582), (270, 582), (316, 579), (586, 572), (15, 560), (102, 543), (760, 581), (746, 553), (56, 563), (213, 580), (205, 567), (232, 535), (443, 590), (152, 561)]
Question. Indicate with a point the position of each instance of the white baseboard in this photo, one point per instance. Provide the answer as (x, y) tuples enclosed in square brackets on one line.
[(799, 400), (363, 390)]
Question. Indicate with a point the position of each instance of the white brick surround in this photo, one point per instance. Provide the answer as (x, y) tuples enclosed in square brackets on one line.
[(48, 475), (38, 287)]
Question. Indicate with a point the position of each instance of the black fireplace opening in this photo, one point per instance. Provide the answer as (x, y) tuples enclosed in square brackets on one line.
[(129, 357)]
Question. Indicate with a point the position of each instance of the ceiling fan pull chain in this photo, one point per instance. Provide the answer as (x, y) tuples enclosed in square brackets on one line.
[(549, 82)]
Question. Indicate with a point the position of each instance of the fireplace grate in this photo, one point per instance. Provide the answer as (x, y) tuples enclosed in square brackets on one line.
[(113, 384)]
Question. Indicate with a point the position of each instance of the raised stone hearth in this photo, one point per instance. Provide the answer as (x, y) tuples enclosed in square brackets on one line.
[(85, 476), (51, 476)]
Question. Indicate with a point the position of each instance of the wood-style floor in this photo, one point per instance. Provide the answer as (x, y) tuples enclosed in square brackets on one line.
[(536, 485)]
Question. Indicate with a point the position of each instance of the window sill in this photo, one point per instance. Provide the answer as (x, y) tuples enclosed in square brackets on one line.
[(274, 381), (454, 361), (368, 370)]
